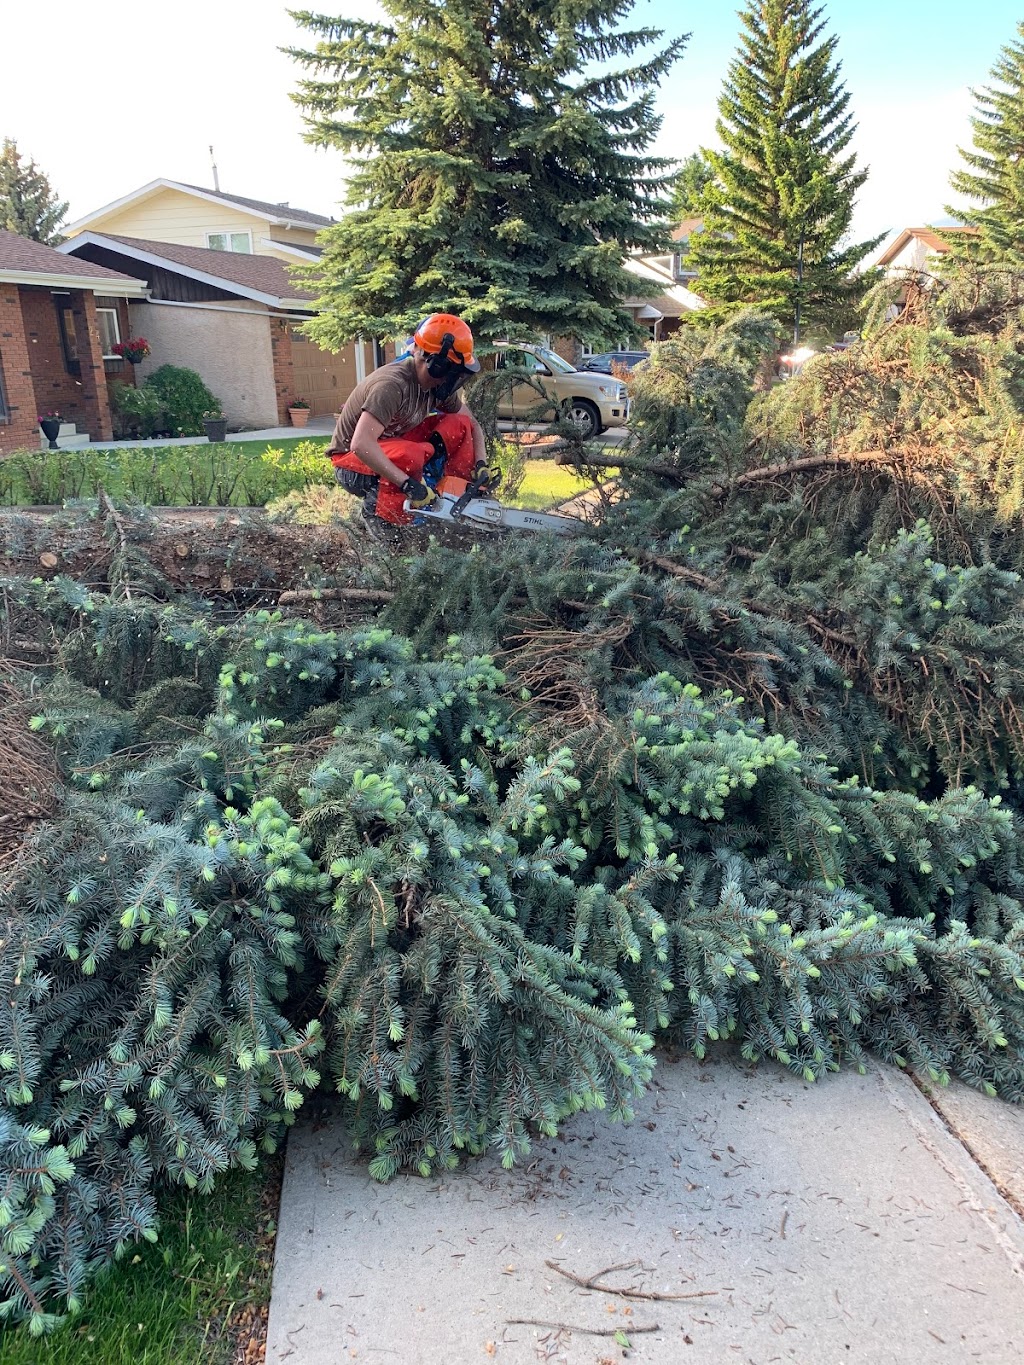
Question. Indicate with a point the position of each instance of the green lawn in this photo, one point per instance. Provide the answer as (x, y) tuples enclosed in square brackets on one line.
[(546, 484), (175, 1302)]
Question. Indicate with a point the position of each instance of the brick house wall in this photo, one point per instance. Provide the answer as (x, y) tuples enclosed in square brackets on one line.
[(79, 397), (569, 349), (19, 431), (284, 370)]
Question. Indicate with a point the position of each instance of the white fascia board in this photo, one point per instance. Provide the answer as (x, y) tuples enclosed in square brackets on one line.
[(686, 297), (303, 253), (897, 241), (288, 222), (166, 263), (136, 195), (129, 289), (646, 271)]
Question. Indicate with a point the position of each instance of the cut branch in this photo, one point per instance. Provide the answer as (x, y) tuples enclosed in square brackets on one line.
[(594, 1282), (336, 595)]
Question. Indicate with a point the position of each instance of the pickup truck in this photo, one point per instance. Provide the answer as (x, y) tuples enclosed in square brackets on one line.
[(592, 401)]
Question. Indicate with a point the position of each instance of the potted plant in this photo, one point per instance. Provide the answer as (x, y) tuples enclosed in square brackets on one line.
[(298, 411), (215, 424), (49, 425), (133, 350)]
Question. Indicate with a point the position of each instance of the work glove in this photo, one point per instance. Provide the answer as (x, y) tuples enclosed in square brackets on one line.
[(485, 477), (418, 494)]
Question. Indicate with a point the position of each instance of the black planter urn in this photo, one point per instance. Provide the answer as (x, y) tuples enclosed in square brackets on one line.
[(216, 428), (50, 427)]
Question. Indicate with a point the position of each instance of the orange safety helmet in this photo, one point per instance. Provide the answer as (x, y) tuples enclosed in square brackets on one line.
[(449, 339)]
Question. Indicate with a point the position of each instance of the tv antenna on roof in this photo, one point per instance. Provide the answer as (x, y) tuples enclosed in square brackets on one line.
[(216, 178)]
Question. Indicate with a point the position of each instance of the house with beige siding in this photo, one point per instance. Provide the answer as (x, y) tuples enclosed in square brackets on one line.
[(220, 299), (170, 211)]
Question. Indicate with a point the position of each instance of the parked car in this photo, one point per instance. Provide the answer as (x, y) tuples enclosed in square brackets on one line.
[(593, 401), (847, 340), (620, 359)]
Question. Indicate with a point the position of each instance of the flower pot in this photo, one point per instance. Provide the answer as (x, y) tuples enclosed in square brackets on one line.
[(216, 428), (50, 427), (299, 416)]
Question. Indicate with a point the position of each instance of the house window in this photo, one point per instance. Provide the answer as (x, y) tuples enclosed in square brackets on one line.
[(110, 332), (5, 412), (230, 241), (68, 338)]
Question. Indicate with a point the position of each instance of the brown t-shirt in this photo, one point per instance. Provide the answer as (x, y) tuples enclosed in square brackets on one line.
[(391, 394)]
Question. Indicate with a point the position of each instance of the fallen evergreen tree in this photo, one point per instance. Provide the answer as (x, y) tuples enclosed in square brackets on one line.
[(734, 766)]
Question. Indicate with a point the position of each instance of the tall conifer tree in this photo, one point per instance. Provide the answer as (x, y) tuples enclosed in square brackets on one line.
[(501, 167), (28, 203), (692, 179), (777, 214), (994, 171)]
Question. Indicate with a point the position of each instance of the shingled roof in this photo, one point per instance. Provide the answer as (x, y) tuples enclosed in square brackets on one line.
[(262, 275), (26, 262), (263, 206)]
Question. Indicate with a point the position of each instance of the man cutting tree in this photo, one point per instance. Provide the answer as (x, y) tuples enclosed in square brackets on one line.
[(405, 427)]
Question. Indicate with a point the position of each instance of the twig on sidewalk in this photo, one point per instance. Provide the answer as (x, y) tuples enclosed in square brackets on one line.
[(588, 1331), (594, 1282)]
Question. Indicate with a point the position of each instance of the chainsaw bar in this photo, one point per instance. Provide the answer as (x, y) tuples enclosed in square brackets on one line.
[(487, 512)]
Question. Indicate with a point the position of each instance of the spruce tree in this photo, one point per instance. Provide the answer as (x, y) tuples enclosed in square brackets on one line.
[(691, 180), (777, 213), (28, 203), (994, 172), (501, 168)]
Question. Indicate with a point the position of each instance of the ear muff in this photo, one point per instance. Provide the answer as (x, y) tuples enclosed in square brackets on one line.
[(440, 365)]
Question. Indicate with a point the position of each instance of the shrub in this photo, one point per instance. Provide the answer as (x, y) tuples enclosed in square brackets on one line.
[(184, 397), (139, 412), (301, 466), (162, 476), (316, 505)]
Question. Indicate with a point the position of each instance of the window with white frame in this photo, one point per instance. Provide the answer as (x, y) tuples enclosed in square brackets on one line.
[(110, 331), (230, 241)]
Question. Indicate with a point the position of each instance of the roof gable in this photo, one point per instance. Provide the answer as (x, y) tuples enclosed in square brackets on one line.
[(932, 238), (280, 215)]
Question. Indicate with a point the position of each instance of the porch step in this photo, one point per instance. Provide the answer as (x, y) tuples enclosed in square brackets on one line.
[(68, 438)]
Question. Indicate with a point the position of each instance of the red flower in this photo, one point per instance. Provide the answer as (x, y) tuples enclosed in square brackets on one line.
[(134, 349)]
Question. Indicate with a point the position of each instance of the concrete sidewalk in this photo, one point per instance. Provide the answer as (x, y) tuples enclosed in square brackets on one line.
[(764, 1219), (317, 429)]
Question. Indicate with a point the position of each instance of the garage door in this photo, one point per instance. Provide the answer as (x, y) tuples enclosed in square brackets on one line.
[(323, 379)]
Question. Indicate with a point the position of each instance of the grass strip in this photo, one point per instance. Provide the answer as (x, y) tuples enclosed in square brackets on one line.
[(193, 1298)]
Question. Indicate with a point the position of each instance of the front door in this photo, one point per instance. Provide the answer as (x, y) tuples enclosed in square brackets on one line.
[(322, 378)]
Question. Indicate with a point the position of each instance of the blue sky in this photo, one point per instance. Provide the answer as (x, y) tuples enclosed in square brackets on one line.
[(167, 80), (907, 70)]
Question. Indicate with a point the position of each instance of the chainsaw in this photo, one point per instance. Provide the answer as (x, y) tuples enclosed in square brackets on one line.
[(470, 507)]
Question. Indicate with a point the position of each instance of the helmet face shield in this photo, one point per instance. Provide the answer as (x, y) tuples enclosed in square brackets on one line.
[(447, 345), (446, 365), (452, 377)]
